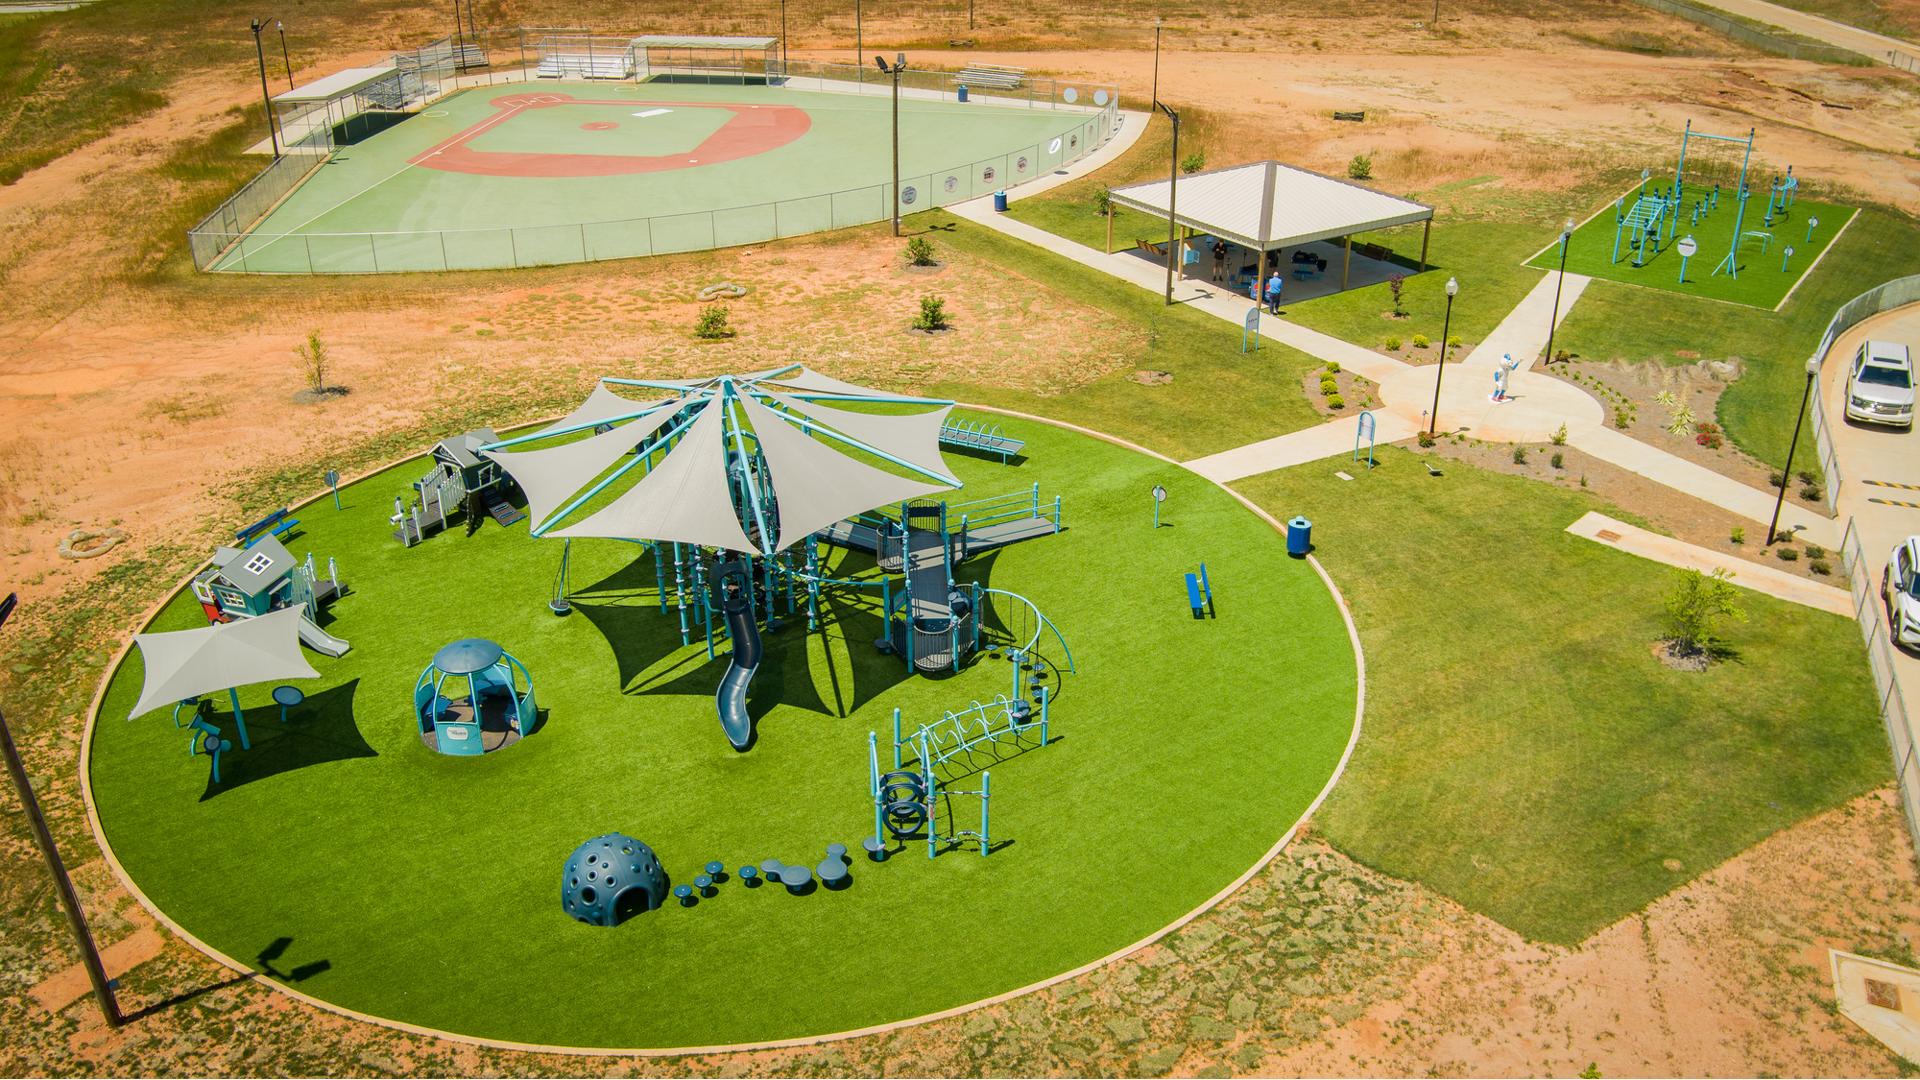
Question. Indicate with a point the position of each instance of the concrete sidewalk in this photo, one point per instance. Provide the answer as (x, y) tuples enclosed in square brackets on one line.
[(1748, 575), (1331, 439), (1703, 483), (1523, 333)]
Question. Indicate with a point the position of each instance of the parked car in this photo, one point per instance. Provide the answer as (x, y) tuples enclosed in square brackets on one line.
[(1900, 586), (1880, 386)]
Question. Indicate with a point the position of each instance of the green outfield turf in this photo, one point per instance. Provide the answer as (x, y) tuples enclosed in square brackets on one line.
[(369, 872), (1761, 281), (485, 179)]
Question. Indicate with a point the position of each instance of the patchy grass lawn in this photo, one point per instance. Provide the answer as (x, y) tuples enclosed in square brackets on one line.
[(1524, 751)]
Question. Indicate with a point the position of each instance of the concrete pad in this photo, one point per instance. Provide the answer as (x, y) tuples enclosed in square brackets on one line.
[(1748, 575), (1883, 998), (1535, 408)]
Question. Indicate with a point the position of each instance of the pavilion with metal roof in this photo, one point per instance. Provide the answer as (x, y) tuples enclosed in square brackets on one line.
[(1266, 206)]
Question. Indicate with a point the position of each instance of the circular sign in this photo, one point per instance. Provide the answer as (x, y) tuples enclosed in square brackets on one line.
[(1099, 97), (1686, 247), (1789, 253), (1054, 146), (332, 478), (1813, 223), (987, 174), (1159, 493), (1020, 164), (953, 183), (907, 195), (1070, 95)]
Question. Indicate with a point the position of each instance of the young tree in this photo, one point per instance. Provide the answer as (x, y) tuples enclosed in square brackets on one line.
[(1394, 284), (314, 361), (1695, 607), (933, 315)]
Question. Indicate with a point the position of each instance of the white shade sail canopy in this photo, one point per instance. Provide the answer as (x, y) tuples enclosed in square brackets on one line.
[(697, 492), (185, 664), (1265, 205)]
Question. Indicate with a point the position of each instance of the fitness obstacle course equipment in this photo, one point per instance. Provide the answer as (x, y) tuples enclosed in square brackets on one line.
[(610, 879), (494, 713), (1200, 594), (747, 470), (1653, 214), (906, 798)]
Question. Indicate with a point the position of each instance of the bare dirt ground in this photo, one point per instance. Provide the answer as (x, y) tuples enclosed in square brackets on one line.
[(163, 404)]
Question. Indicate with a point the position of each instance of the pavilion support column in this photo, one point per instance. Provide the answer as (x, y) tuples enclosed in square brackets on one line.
[(1346, 264), (1109, 229), (1425, 235)]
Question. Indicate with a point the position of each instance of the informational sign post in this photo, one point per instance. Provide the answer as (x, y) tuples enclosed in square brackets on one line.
[(1686, 247)]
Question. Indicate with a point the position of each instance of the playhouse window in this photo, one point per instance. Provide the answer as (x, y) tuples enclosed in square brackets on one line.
[(259, 563)]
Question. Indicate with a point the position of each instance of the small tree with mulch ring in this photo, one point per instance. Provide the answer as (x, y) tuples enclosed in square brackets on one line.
[(1696, 605), (933, 315)]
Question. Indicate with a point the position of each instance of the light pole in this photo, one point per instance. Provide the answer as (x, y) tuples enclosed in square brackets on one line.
[(260, 52), (1173, 184), (284, 59), (1158, 22), (1786, 470), (1566, 238), (859, 40), (1433, 418), (899, 66), (70, 900), (459, 31), (783, 38)]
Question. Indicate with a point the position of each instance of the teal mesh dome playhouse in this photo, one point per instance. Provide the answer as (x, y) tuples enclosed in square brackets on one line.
[(611, 878), (493, 712)]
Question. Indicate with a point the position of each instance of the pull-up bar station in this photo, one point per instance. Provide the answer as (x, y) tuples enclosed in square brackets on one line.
[(1731, 263)]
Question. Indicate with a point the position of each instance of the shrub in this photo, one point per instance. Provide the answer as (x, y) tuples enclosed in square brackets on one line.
[(1583, 479), (1361, 167), (1805, 475), (1737, 536), (1559, 460), (1335, 401), (1425, 440), (1561, 356), (920, 252), (1820, 566), (1393, 343), (1786, 554), (1519, 455), (1812, 493), (1621, 419), (1420, 341), (1194, 162), (1333, 365), (1707, 428), (1695, 607), (314, 361), (712, 324), (1707, 439), (933, 315), (1815, 551), (1776, 478), (1453, 341)]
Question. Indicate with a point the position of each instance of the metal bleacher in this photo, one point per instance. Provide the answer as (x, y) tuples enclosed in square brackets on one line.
[(992, 75)]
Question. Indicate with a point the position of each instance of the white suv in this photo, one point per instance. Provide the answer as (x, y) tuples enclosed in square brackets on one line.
[(1880, 386), (1901, 588)]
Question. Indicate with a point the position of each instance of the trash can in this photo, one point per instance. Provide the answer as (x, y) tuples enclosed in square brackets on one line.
[(961, 93), (1299, 537), (1000, 201)]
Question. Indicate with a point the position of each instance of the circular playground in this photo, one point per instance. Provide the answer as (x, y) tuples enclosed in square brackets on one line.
[(623, 872), (559, 172)]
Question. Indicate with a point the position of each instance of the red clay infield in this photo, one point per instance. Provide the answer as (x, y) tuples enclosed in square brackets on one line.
[(753, 129)]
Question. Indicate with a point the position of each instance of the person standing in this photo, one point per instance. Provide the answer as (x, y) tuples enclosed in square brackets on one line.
[(1275, 285), (1219, 260)]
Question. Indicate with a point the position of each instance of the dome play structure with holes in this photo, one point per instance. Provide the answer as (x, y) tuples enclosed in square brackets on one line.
[(609, 879)]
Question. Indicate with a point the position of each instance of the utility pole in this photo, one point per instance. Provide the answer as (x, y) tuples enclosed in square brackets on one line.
[(1173, 184), (898, 68), (266, 96), (70, 900)]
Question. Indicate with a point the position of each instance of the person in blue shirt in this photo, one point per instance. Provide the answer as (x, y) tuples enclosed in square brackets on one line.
[(1274, 286)]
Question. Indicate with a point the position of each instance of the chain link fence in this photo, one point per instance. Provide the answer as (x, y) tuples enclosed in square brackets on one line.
[(1765, 41), (1868, 611)]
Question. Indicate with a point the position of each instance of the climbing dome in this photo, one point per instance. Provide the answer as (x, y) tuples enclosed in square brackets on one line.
[(610, 879)]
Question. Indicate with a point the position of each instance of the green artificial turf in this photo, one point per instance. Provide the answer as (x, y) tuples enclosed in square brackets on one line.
[(1524, 752), (1765, 275), (376, 875)]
